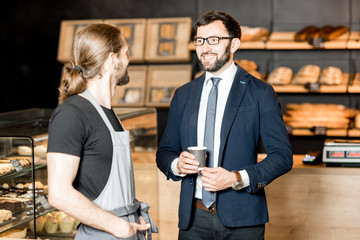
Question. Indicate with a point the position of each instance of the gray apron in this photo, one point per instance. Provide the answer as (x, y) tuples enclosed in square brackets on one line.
[(118, 195)]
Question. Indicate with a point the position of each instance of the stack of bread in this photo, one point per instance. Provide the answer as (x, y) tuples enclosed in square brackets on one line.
[(250, 66), (253, 33), (308, 115), (331, 76), (307, 74), (326, 32), (280, 76), (357, 121)]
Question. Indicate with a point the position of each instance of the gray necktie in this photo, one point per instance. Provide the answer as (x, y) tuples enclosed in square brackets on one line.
[(208, 198)]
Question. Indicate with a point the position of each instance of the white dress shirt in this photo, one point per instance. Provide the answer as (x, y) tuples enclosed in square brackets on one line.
[(224, 86)]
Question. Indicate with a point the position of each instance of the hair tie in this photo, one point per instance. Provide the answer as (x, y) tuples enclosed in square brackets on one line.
[(77, 67)]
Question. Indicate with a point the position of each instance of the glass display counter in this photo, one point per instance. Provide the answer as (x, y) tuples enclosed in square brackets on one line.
[(24, 209)]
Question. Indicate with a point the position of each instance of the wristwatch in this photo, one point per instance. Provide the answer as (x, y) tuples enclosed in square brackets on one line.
[(238, 184)]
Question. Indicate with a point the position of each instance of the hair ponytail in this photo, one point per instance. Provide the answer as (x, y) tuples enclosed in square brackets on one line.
[(72, 83)]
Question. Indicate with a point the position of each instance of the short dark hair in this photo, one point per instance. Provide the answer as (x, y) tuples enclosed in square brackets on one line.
[(231, 25)]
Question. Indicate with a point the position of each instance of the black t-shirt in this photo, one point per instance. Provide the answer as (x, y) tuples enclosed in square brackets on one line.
[(76, 128)]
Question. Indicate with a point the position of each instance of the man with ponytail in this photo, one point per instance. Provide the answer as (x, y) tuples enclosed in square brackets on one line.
[(90, 173)]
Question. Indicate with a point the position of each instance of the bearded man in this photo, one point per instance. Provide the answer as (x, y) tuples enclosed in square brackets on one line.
[(228, 111)]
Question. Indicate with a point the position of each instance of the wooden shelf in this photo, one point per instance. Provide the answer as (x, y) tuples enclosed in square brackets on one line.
[(285, 41), (355, 85), (295, 88), (258, 44), (354, 41), (342, 132), (354, 132)]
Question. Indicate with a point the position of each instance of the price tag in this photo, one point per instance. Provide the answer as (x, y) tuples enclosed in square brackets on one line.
[(320, 131), (17, 165), (44, 202), (317, 42), (313, 87), (289, 129)]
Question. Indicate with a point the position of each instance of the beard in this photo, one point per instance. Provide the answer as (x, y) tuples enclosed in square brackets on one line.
[(124, 79), (120, 76), (220, 62)]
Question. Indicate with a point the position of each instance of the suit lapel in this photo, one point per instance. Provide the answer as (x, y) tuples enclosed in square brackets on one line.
[(235, 97), (194, 103)]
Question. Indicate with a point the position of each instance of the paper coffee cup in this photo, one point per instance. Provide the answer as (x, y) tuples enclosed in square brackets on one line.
[(200, 154)]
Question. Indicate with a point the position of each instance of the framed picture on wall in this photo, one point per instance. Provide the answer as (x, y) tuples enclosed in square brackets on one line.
[(134, 32), (167, 39), (162, 82), (68, 30), (133, 93)]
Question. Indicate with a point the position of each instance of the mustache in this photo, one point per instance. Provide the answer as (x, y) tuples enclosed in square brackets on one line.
[(206, 53)]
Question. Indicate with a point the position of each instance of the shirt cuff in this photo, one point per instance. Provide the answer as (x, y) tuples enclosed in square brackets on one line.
[(244, 178), (175, 171)]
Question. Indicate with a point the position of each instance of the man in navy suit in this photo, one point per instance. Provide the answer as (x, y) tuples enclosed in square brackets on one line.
[(247, 110)]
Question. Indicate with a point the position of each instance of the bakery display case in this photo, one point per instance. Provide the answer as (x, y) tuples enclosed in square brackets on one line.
[(24, 209), (23, 183)]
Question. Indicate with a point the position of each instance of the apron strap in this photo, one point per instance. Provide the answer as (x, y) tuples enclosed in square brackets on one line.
[(92, 100), (143, 208)]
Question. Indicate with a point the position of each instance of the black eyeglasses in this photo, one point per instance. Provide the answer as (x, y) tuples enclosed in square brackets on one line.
[(210, 40)]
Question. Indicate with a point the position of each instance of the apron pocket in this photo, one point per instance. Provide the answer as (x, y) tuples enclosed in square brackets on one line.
[(88, 233), (133, 237)]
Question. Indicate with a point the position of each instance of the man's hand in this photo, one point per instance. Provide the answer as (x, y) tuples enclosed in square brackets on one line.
[(216, 179), (187, 164), (134, 227)]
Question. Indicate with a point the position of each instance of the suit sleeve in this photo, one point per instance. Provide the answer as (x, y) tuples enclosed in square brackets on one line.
[(275, 138), (170, 144)]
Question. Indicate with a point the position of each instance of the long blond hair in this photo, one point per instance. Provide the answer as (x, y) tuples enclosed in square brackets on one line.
[(90, 49)]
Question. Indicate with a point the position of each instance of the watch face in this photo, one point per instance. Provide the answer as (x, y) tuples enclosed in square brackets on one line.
[(238, 185)]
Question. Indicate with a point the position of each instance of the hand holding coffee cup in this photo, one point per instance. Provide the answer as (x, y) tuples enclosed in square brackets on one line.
[(200, 155)]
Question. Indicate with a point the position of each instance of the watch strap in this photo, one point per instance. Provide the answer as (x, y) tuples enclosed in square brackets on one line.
[(238, 176)]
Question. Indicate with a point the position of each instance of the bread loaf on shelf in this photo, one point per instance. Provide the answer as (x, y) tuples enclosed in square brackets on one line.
[(306, 33), (337, 32), (326, 32), (250, 66), (280, 76), (357, 121), (252, 33), (307, 74), (331, 76), (307, 115), (246, 64)]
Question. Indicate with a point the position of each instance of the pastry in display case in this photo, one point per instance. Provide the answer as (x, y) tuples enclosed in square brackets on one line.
[(23, 184)]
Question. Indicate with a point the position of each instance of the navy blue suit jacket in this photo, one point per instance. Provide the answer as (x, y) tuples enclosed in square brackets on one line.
[(252, 112)]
